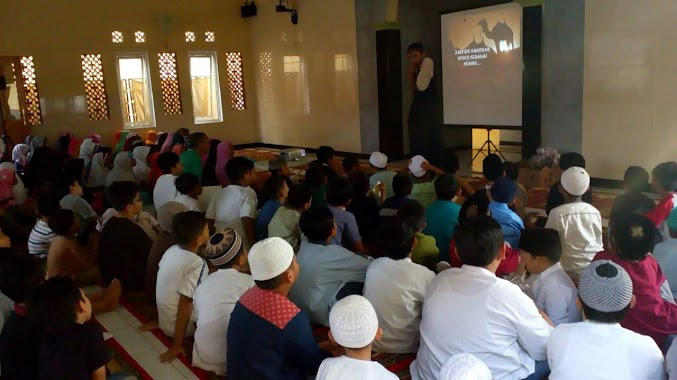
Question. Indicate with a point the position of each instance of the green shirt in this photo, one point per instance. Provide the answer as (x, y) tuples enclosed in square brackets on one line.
[(426, 252), (423, 192), (192, 163)]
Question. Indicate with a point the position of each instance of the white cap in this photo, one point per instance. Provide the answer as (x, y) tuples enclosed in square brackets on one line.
[(353, 322), (379, 160), (415, 166), (270, 258), (465, 367), (576, 181)]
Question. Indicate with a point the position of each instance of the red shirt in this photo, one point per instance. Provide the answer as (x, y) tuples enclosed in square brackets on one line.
[(507, 266), (652, 315)]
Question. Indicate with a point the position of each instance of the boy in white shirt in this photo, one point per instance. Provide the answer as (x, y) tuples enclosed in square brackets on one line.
[(165, 189), (285, 222), (181, 271), (470, 310), (551, 288), (396, 287), (234, 206), (579, 223), (599, 348), (216, 297), (354, 326), (379, 163), (189, 188)]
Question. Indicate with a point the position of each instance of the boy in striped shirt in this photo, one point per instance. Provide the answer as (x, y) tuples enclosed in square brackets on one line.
[(41, 235)]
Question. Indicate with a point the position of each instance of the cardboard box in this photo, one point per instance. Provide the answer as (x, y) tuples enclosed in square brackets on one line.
[(541, 178)]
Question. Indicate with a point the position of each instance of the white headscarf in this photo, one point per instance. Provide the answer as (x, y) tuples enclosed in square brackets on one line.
[(98, 172), (141, 168), (122, 170), (20, 154), (18, 190), (87, 149)]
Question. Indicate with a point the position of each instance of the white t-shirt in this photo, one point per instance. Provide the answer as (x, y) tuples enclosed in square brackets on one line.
[(396, 289), (580, 228), (165, 190), (425, 74), (470, 310), (347, 368), (230, 205), (285, 225), (214, 300), (671, 360), (180, 273), (190, 203), (597, 351), (555, 294)]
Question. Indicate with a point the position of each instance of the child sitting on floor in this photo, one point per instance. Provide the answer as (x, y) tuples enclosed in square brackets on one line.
[(277, 191), (339, 195), (354, 326), (582, 350), (666, 253), (181, 271), (189, 188), (425, 251), (285, 222), (330, 272), (326, 159), (41, 235), (73, 201), (379, 164), (502, 197), (350, 164), (364, 206), (20, 275), (71, 347), (424, 181), (234, 206), (632, 241), (550, 287), (215, 299), (579, 223), (442, 214), (664, 182), (396, 287), (449, 164), (402, 186), (555, 196), (269, 337), (635, 181), (165, 188), (512, 171), (66, 256), (191, 159), (316, 178)]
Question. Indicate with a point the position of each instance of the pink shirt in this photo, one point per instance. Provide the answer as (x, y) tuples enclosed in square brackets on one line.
[(652, 315)]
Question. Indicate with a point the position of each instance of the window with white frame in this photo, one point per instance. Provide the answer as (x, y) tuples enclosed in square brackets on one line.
[(136, 95), (205, 89)]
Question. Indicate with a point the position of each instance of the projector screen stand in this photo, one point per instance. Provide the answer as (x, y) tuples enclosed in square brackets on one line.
[(488, 145)]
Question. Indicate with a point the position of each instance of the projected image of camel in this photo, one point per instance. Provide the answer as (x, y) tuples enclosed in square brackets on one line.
[(501, 34)]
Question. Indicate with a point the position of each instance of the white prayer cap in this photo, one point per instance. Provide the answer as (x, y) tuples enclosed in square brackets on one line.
[(269, 258), (465, 367), (605, 286), (576, 181), (379, 160), (415, 166), (353, 322)]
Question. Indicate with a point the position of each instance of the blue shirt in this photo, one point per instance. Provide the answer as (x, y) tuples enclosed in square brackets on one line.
[(441, 223), (347, 231), (265, 216), (511, 224)]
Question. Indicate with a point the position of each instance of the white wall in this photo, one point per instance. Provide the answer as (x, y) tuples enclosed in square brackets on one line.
[(57, 32), (629, 103), (320, 105)]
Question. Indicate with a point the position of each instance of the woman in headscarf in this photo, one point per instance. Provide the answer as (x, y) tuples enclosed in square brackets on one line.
[(151, 137), (120, 142), (98, 171), (28, 139), (18, 189), (20, 156), (95, 138), (129, 142), (87, 150), (7, 181), (224, 152), (179, 142), (167, 146), (209, 165), (37, 142), (141, 168), (161, 138), (122, 170)]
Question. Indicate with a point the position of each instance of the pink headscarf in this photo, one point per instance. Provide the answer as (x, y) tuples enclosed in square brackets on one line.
[(96, 139), (167, 146), (7, 181), (222, 158)]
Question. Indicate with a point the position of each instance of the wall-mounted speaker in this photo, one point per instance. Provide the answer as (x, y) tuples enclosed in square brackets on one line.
[(249, 9)]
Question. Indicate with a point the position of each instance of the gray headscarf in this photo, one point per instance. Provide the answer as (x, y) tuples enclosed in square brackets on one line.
[(166, 214)]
